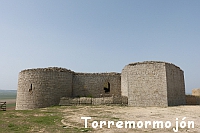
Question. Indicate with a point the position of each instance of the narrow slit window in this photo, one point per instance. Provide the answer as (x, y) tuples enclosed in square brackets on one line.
[(31, 87)]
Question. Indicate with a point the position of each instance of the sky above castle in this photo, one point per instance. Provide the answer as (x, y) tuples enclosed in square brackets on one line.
[(98, 36)]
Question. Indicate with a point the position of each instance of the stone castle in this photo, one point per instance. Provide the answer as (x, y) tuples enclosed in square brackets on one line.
[(149, 83)]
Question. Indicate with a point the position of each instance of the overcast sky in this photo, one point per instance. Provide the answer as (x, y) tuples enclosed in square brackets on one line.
[(98, 36)]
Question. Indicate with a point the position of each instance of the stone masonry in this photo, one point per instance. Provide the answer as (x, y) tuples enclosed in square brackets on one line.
[(92, 84), (148, 83), (193, 99), (43, 87), (153, 84)]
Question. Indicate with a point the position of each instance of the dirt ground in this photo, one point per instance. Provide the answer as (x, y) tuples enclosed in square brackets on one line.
[(73, 114)]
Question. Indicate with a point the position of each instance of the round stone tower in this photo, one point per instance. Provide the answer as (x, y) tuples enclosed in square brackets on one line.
[(43, 87)]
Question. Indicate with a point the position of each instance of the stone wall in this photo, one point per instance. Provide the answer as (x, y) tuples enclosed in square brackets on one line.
[(124, 80), (146, 84), (93, 101), (92, 84), (192, 100), (43, 87), (153, 83), (175, 85)]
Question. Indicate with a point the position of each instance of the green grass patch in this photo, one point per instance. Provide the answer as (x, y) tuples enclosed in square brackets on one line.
[(46, 120), (17, 128), (23, 121)]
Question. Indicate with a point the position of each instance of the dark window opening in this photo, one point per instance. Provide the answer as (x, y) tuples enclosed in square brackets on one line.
[(107, 87), (31, 87)]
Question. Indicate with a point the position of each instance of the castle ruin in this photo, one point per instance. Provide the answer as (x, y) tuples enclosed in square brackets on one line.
[(149, 83)]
